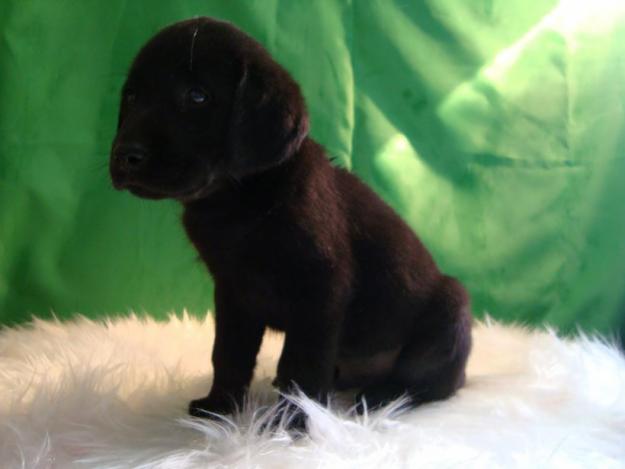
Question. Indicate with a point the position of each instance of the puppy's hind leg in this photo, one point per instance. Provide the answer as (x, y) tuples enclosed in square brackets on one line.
[(432, 365)]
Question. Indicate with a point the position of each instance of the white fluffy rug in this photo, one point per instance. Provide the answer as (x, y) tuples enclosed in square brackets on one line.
[(114, 395)]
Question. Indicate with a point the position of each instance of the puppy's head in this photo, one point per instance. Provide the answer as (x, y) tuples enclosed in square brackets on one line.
[(203, 104)]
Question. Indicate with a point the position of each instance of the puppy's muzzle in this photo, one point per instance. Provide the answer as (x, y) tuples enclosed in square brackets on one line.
[(128, 160)]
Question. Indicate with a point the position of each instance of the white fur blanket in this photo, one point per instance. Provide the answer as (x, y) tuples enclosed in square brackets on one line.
[(114, 394)]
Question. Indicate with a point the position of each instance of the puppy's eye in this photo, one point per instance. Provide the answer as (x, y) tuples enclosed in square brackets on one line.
[(197, 96)]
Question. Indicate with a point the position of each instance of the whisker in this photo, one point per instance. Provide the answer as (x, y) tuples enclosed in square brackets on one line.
[(98, 166)]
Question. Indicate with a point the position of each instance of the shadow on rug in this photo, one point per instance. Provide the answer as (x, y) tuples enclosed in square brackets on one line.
[(114, 395)]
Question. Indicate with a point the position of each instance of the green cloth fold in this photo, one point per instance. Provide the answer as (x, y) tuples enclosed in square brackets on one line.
[(495, 128)]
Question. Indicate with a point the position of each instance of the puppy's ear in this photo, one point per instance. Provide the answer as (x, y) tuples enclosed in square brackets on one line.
[(269, 119)]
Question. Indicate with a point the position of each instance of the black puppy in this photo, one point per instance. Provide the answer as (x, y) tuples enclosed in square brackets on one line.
[(293, 243)]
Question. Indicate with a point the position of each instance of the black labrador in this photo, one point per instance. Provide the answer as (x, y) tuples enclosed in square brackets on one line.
[(293, 243)]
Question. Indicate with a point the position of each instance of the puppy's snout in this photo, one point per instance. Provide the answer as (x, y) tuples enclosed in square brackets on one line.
[(130, 158)]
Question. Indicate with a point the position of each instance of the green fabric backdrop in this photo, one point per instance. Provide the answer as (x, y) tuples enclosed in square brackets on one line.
[(496, 128)]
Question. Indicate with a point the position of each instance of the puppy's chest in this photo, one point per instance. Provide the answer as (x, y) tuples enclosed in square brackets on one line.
[(263, 266), (264, 283), (263, 296)]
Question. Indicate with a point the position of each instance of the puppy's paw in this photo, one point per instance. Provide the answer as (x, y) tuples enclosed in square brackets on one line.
[(287, 416), (375, 397), (211, 407)]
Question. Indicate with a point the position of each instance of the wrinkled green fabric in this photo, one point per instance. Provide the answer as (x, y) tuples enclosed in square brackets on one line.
[(496, 128)]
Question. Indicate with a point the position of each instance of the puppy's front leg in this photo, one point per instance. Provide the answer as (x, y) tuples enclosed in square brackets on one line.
[(237, 340), (309, 356), (307, 362)]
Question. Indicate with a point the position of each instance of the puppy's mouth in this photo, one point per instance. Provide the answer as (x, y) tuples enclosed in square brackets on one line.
[(190, 185), (121, 183), (196, 192), (143, 192)]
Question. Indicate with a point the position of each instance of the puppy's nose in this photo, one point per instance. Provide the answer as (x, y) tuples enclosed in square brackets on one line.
[(130, 158)]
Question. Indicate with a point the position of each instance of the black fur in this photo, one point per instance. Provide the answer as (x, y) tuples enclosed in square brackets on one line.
[(292, 242)]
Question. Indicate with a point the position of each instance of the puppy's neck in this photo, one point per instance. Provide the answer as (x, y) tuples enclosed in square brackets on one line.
[(262, 191), (276, 199)]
